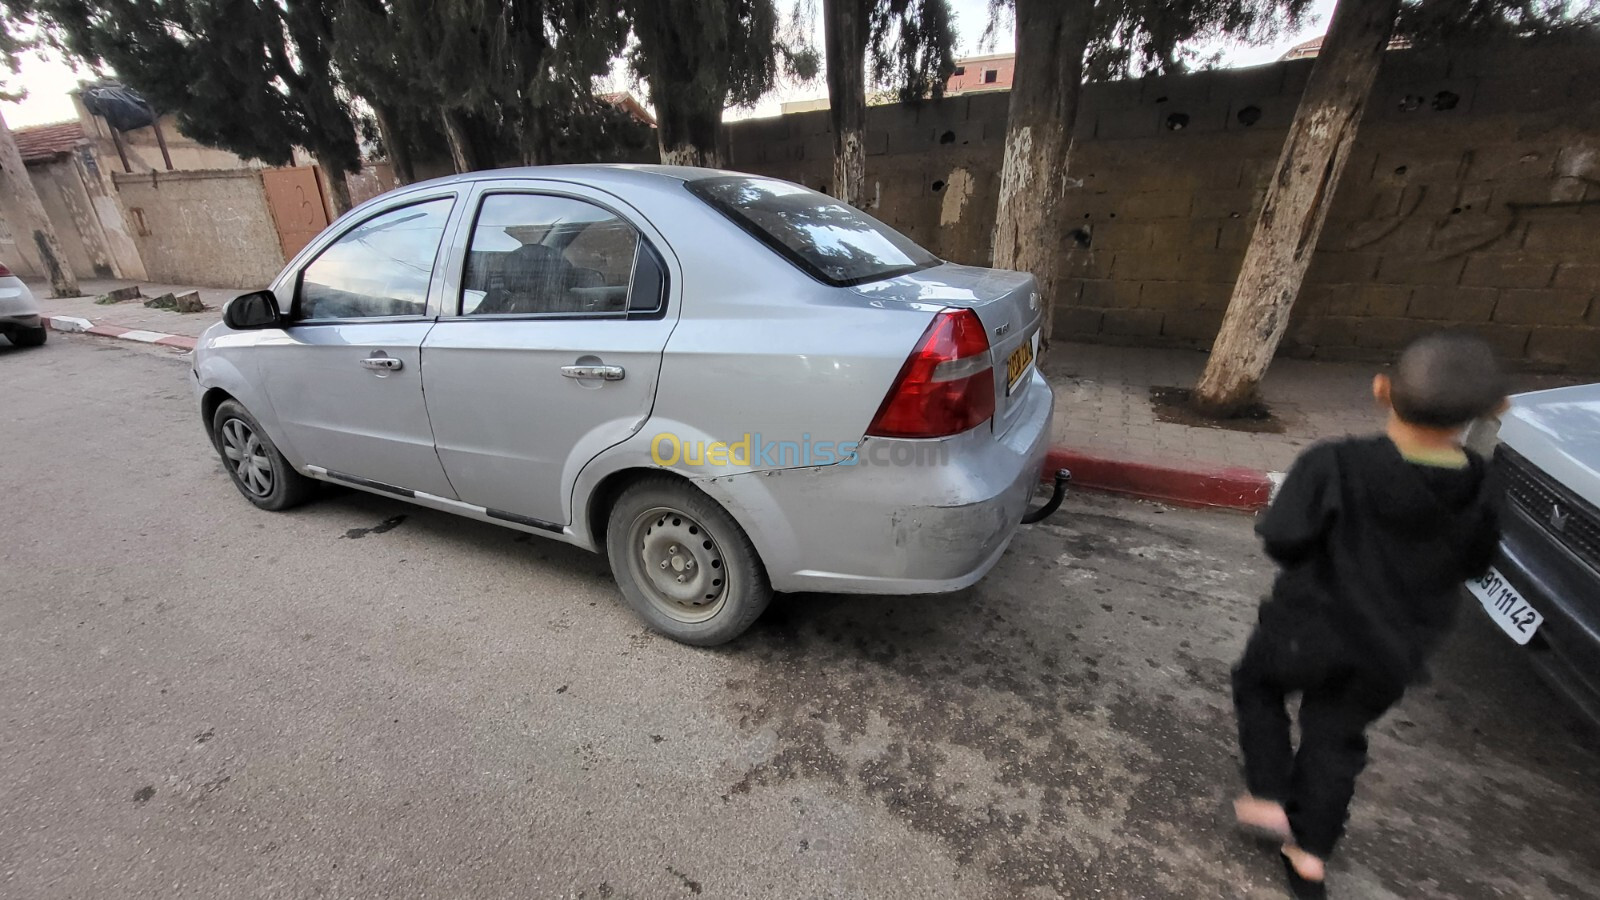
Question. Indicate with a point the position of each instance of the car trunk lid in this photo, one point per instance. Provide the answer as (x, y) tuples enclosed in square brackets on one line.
[(1007, 303)]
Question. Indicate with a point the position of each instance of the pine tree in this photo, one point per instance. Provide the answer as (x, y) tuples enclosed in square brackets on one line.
[(698, 57), (489, 72), (910, 44)]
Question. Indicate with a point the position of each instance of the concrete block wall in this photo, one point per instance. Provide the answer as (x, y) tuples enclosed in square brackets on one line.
[(202, 227), (1471, 198)]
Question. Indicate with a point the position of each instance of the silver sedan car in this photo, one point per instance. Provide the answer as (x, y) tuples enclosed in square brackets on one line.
[(731, 384)]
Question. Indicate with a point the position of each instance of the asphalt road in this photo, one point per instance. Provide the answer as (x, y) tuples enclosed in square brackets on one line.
[(365, 699)]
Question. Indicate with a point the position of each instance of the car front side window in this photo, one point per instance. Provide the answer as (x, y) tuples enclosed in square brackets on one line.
[(379, 268), (537, 254)]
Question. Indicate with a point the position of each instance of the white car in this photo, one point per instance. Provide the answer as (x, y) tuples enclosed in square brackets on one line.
[(1544, 588), (19, 312)]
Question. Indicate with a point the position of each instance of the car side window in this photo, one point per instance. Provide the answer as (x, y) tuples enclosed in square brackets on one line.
[(542, 254), (379, 268)]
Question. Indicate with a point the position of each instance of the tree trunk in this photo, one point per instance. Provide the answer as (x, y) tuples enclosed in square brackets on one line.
[(1052, 36), (689, 136), (35, 224), (456, 134), (338, 188), (533, 136), (845, 38), (1297, 201), (394, 145)]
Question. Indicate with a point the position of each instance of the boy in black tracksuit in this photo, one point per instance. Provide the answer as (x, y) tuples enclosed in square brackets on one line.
[(1375, 537)]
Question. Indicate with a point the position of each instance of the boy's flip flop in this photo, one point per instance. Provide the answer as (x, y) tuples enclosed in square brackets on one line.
[(1302, 888)]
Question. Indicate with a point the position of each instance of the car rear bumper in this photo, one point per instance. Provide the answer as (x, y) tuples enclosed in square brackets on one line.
[(7, 323), (16, 300), (1566, 648), (911, 517)]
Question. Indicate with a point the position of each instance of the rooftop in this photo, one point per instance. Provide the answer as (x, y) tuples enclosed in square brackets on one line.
[(42, 143)]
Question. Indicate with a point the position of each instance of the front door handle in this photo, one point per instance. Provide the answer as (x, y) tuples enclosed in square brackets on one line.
[(604, 373), (387, 363)]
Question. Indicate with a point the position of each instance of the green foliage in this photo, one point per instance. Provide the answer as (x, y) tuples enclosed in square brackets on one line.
[(1443, 21), (709, 54), (1136, 37), (1132, 37), (18, 36), (525, 70), (249, 76), (911, 45)]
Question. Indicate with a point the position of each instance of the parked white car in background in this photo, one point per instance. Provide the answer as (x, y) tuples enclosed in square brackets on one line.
[(730, 384), (20, 320)]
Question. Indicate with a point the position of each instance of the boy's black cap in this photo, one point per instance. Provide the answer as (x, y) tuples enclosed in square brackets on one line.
[(1446, 380)]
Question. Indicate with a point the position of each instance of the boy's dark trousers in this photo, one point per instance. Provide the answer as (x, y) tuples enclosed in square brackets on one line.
[(1340, 697)]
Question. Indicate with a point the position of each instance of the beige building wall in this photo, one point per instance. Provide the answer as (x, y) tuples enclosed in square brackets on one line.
[(207, 228)]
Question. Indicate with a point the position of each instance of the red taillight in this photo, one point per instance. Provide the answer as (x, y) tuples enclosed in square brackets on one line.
[(946, 387), (4, 272)]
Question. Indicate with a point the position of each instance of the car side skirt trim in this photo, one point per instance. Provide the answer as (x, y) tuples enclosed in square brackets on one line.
[(368, 483), (529, 521), (498, 517)]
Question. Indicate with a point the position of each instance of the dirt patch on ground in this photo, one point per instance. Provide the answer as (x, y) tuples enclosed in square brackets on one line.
[(1171, 404)]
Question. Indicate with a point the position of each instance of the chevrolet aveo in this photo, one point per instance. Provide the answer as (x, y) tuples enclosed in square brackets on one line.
[(732, 384)]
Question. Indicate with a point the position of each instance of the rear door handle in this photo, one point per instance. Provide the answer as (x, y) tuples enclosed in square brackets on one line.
[(604, 373), (382, 362)]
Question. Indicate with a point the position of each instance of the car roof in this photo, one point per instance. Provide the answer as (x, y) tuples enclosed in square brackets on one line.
[(588, 173)]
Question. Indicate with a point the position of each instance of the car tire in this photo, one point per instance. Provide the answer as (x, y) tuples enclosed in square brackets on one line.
[(258, 470), (683, 564), (30, 337)]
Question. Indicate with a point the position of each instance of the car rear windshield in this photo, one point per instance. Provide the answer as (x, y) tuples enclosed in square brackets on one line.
[(831, 241)]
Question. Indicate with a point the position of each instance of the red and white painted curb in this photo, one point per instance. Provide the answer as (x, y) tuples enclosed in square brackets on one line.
[(1180, 484), (84, 326)]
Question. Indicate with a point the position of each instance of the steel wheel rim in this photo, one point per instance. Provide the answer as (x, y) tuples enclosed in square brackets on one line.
[(247, 457), (678, 565)]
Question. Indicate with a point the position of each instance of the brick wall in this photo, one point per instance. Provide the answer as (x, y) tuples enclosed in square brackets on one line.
[(1472, 197)]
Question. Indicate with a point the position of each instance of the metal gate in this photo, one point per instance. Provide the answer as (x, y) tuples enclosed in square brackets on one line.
[(295, 197)]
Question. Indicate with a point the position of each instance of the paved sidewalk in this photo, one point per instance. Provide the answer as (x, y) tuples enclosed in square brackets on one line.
[(1103, 407), (133, 314)]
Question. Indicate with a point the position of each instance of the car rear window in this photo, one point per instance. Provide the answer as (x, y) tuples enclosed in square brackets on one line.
[(831, 241)]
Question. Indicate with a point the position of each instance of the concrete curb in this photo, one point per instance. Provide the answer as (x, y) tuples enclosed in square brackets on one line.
[(74, 324), (1189, 484)]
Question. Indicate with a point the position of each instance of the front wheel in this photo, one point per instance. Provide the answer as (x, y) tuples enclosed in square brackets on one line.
[(258, 470), (683, 564)]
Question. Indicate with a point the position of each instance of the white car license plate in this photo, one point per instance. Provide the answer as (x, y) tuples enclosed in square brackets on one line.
[(1505, 606)]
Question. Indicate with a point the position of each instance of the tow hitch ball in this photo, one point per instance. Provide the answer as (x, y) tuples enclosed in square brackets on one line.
[(1056, 494)]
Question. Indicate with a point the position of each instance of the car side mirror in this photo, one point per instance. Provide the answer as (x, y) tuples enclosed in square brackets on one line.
[(257, 309)]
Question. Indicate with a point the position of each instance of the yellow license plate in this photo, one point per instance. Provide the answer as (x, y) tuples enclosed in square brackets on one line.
[(1017, 365)]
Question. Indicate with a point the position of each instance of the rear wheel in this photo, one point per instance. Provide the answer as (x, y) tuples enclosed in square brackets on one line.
[(30, 337), (683, 564), (258, 470)]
